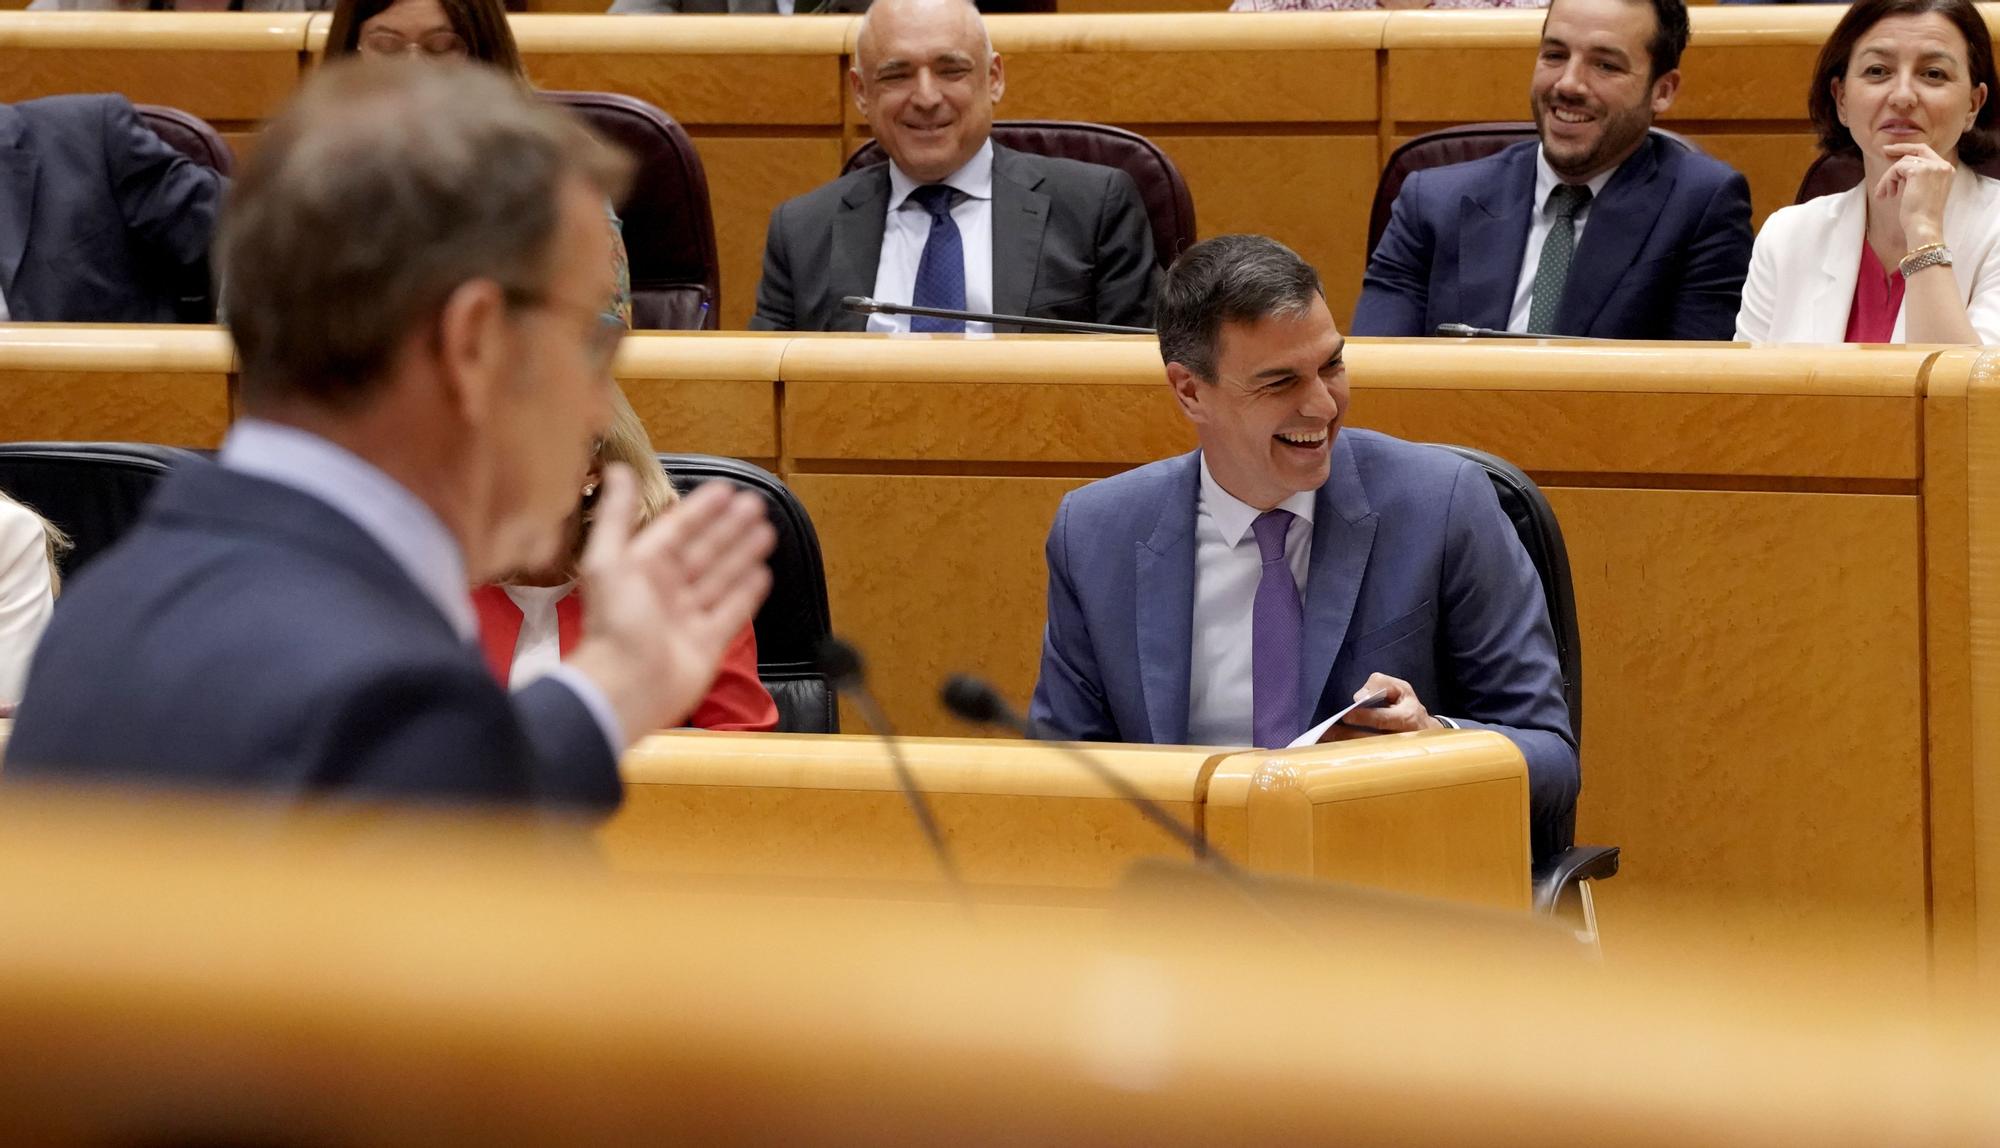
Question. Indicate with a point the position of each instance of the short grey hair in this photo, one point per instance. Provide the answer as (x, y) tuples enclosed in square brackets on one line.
[(1230, 278), (381, 189)]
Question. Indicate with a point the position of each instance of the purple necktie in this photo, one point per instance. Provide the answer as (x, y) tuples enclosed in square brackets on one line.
[(941, 268), (1276, 622)]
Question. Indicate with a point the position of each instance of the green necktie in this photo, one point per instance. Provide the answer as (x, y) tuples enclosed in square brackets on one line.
[(1553, 271)]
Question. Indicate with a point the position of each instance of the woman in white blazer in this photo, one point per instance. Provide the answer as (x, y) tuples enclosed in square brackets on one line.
[(1908, 84), (28, 548)]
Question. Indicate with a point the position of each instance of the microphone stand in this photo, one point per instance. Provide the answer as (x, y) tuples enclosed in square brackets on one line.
[(862, 305)]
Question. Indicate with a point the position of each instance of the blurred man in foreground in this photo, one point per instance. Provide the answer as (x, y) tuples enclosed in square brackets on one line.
[(416, 269)]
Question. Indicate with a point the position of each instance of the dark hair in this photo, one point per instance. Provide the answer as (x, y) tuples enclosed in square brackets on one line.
[(482, 24), (381, 189), (1227, 279), (1670, 35), (1975, 145)]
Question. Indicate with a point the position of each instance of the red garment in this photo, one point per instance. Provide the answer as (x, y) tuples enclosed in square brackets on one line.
[(1878, 299), (737, 700)]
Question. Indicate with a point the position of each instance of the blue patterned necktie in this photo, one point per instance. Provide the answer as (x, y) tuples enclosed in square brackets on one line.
[(1552, 273), (941, 270), (1277, 626)]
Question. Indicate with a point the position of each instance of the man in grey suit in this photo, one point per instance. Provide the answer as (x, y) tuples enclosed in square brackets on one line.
[(1241, 594), (100, 220), (952, 220)]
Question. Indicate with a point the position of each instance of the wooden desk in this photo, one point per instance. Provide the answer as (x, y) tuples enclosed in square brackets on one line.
[(156, 384), (1440, 814)]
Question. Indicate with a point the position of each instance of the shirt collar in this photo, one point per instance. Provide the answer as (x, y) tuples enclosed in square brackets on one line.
[(975, 179), (1546, 180), (398, 521), (1233, 516)]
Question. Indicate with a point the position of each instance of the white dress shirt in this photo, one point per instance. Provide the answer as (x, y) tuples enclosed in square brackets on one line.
[(1539, 225), (27, 594), (908, 227), (4, 313), (398, 522), (1227, 568), (538, 650)]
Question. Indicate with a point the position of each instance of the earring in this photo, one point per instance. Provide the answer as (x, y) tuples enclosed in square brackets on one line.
[(589, 488)]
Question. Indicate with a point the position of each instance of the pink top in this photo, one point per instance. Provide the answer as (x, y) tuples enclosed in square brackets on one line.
[(1878, 298), (1341, 5)]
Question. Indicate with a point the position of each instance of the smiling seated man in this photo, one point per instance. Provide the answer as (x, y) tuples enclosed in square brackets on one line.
[(1601, 228), (953, 220), (1241, 594)]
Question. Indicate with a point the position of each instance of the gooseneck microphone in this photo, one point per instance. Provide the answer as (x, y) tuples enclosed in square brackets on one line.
[(841, 663), (863, 305), (977, 701)]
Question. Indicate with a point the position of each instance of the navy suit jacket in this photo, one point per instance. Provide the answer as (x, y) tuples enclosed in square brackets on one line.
[(1071, 240), (246, 635), (1664, 253), (100, 220), (1416, 572)]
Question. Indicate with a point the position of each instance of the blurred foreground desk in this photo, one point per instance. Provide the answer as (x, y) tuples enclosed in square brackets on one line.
[(1442, 814)]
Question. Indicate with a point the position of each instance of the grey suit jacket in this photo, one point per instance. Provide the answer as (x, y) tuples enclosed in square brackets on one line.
[(1416, 572), (100, 220), (1070, 241)]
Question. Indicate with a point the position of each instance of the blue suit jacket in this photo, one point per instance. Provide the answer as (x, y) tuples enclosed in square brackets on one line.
[(247, 635), (1416, 572), (1664, 253), (100, 220)]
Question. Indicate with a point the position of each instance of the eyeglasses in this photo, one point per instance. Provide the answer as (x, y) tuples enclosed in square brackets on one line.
[(608, 330), (383, 42)]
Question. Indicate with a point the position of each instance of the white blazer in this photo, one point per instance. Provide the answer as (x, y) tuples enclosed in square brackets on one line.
[(26, 594), (1807, 257)]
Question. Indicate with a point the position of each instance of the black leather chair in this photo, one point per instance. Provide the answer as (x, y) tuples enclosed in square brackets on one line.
[(1169, 205), (1448, 146), (191, 136), (669, 229), (794, 619), (92, 490), (1832, 173), (1558, 878)]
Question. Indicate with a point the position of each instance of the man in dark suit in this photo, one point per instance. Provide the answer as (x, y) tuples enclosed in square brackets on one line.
[(422, 383), (100, 220), (952, 220), (1241, 594), (1601, 228)]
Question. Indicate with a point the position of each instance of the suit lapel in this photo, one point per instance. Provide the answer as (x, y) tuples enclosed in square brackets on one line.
[(1343, 536), (1617, 228), (1493, 232), (1165, 609), (1020, 217), (17, 200), (857, 246), (1830, 292)]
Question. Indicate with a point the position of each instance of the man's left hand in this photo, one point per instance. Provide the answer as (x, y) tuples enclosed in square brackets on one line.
[(1401, 713)]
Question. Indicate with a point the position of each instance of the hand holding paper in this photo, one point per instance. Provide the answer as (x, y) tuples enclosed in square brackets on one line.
[(1382, 705)]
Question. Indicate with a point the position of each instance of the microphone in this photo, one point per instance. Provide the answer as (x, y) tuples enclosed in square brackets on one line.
[(841, 663), (1466, 331), (977, 701), (863, 305)]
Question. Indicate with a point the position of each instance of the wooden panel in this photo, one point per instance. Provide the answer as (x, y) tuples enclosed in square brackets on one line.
[(158, 384), (1085, 7), (1774, 163), (1308, 191), (1950, 735), (1751, 663), (748, 177), (933, 575), (1981, 645), (706, 392), (936, 422), (1134, 70), (218, 65)]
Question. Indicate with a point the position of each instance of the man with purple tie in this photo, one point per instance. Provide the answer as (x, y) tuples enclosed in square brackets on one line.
[(1241, 594)]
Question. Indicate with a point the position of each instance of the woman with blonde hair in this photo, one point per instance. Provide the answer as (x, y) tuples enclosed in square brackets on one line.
[(29, 583), (529, 621)]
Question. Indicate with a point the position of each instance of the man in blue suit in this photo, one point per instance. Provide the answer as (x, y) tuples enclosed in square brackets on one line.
[(1241, 594), (1602, 228), (100, 220), (417, 270)]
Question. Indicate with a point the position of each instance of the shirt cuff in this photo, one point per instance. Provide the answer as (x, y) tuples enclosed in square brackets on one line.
[(1447, 722), (593, 699)]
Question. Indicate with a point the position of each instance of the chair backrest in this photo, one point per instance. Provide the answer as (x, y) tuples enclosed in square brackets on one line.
[(669, 228), (191, 136), (794, 619), (1169, 205), (1541, 536), (92, 490), (1835, 172), (1448, 146)]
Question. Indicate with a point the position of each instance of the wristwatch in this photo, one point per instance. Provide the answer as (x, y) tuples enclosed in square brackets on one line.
[(1929, 255)]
